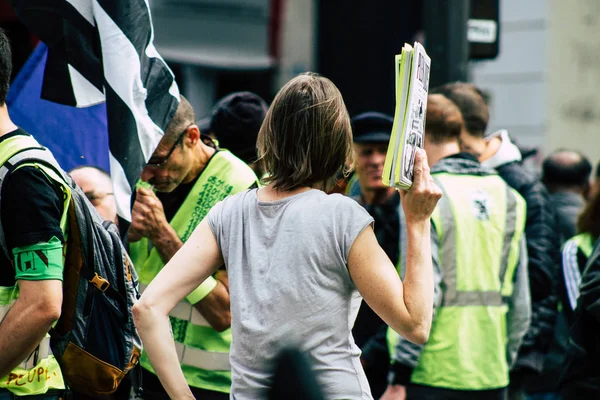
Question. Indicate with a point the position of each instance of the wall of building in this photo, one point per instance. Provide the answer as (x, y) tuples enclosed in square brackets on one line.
[(545, 85), (516, 81), (573, 77), (297, 46)]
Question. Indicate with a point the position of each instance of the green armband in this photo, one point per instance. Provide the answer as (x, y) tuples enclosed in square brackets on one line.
[(202, 291), (39, 262)]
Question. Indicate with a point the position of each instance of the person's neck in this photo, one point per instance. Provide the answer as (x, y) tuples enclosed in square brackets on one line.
[(491, 148), (202, 156), (435, 152), (6, 124), (269, 193), (377, 196)]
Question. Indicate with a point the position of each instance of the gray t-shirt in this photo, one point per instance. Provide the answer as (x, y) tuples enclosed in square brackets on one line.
[(290, 285)]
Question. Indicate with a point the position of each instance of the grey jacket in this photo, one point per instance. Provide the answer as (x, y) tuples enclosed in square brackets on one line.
[(567, 206), (406, 356)]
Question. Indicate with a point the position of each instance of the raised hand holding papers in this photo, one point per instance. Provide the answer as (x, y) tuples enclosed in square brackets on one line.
[(412, 68)]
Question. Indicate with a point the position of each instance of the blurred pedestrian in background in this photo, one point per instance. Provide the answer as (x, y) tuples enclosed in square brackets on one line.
[(97, 186), (497, 151), (566, 174), (235, 121)]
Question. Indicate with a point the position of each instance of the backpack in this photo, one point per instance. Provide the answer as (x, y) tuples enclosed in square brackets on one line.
[(95, 340)]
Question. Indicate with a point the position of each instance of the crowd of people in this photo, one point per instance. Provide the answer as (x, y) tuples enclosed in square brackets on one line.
[(260, 229)]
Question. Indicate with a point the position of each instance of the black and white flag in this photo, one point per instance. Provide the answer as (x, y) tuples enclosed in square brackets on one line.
[(102, 50)]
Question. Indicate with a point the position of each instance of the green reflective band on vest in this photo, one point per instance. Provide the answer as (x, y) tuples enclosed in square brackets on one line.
[(480, 223), (40, 372), (585, 243), (203, 352)]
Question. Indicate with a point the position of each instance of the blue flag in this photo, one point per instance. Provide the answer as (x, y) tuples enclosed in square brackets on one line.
[(76, 136)]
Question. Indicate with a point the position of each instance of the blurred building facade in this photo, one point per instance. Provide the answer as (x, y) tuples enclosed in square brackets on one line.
[(544, 87)]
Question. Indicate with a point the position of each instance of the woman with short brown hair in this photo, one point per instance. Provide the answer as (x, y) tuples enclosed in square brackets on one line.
[(298, 259)]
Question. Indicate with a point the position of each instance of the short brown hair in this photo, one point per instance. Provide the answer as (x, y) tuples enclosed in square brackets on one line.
[(589, 219), (471, 103), (306, 138), (443, 121)]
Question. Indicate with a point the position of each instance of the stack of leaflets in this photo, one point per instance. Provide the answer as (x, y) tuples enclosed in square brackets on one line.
[(412, 84)]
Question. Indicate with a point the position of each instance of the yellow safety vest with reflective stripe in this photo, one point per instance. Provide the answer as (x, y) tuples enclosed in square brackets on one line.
[(480, 223), (203, 352), (40, 372)]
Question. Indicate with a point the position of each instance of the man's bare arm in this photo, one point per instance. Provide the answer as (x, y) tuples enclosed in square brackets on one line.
[(28, 321), (167, 244), (215, 306)]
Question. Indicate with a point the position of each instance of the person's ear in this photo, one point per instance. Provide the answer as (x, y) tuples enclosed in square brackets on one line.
[(192, 135)]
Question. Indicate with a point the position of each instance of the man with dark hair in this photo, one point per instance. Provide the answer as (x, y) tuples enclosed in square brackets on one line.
[(371, 134), (235, 122), (482, 302), (543, 244), (97, 186), (33, 224), (189, 174), (566, 174)]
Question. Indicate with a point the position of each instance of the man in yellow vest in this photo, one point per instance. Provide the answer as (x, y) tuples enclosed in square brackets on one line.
[(33, 222), (189, 174), (482, 290)]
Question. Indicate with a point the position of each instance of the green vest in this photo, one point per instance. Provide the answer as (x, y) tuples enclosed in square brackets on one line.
[(203, 352), (480, 223), (584, 242), (40, 372)]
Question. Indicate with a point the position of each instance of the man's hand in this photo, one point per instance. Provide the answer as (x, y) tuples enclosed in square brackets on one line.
[(421, 199), (394, 392), (147, 217)]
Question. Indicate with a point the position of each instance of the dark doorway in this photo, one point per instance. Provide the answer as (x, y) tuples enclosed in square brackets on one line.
[(357, 41)]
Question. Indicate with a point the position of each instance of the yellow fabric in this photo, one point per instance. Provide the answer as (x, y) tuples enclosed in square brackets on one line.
[(202, 291), (585, 242), (467, 346), (44, 376)]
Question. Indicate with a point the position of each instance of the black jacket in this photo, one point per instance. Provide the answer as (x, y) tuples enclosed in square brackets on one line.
[(543, 248), (583, 357)]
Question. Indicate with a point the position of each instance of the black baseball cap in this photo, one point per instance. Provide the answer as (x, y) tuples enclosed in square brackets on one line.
[(372, 127), (235, 122)]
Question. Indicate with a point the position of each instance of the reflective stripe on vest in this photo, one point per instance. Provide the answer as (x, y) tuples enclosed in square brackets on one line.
[(202, 359), (40, 371), (583, 242), (208, 360), (480, 223), (454, 297)]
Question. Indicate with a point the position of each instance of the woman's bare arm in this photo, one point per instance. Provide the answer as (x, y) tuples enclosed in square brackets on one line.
[(405, 306)]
